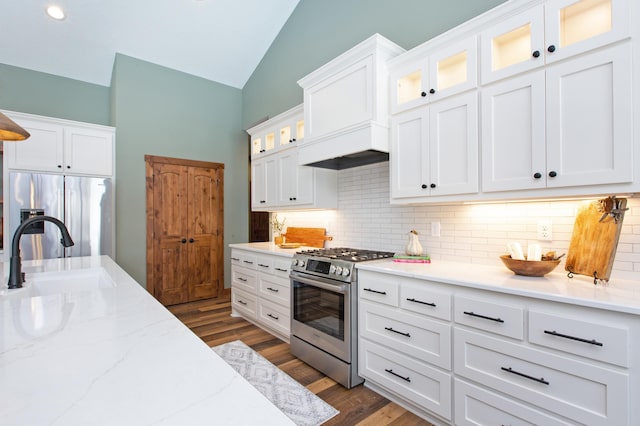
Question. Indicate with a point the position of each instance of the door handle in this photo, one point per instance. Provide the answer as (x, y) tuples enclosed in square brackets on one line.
[(191, 240), (183, 241)]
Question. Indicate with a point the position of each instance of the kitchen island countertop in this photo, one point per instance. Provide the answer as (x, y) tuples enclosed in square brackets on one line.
[(112, 355)]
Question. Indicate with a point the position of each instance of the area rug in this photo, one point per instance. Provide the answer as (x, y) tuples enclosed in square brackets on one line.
[(303, 407)]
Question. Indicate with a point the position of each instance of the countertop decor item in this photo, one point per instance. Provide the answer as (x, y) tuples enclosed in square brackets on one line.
[(595, 236), (313, 237), (278, 227), (290, 245), (529, 268), (414, 248)]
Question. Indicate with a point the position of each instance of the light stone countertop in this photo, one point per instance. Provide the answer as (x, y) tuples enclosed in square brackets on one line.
[(112, 355), (269, 248), (617, 295)]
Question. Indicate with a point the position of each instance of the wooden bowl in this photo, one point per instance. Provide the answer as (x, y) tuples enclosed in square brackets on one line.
[(527, 268)]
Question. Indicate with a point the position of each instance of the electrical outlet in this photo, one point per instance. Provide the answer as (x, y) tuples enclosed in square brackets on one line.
[(545, 232), (435, 229)]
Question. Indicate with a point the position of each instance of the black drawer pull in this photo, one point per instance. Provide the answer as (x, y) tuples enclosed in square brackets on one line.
[(421, 302), (281, 270), (483, 316), (275, 290), (390, 371), (248, 261), (273, 316), (262, 265), (396, 331), (540, 380), (244, 280), (236, 259), (242, 302), (374, 291), (579, 339)]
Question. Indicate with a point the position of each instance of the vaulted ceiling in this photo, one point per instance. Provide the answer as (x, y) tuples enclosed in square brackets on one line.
[(219, 40)]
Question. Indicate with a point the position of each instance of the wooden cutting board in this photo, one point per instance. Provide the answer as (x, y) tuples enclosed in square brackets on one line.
[(594, 242), (312, 237)]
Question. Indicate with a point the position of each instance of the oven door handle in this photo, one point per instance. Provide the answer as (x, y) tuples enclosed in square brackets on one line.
[(320, 282)]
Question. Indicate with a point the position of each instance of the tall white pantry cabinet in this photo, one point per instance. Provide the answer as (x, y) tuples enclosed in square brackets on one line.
[(554, 115)]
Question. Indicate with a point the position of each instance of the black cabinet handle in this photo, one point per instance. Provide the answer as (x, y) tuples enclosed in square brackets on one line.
[(432, 91), (473, 314), (281, 270), (421, 302), (275, 290), (537, 175), (293, 140), (579, 339), (262, 201), (242, 302), (235, 258), (370, 290), (424, 186), (59, 166), (68, 167), (244, 280), (183, 241), (396, 331), (191, 240), (536, 54), (535, 379), (390, 371), (248, 261), (433, 185), (273, 316), (553, 174), (262, 265), (551, 49), (423, 94)]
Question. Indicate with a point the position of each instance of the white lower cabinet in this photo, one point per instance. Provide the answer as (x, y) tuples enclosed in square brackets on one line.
[(260, 290), (462, 356)]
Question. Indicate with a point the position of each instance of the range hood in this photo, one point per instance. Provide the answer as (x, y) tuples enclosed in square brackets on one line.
[(346, 113)]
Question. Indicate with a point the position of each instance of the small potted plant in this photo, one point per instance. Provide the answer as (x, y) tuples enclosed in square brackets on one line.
[(278, 227)]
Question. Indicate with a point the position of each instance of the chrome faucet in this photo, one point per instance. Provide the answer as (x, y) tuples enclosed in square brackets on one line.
[(15, 264)]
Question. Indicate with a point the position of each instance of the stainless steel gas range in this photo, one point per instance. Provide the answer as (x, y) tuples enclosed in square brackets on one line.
[(324, 286)]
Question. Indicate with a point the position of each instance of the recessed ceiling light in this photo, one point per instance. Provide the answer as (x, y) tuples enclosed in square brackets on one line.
[(55, 12)]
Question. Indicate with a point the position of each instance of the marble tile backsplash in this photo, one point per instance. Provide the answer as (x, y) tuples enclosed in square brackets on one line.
[(476, 233)]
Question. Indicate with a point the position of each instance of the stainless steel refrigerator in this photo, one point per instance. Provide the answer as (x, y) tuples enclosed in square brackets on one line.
[(84, 204)]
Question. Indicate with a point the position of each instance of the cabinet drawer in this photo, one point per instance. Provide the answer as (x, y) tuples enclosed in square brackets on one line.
[(597, 341), (583, 392), (378, 287), (244, 303), (244, 259), (275, 289), (245, 279), (499, 318), (419, 383), (264, 264), (423, 338), (282, 267), (418, 297), (479, 407), (274, 316)]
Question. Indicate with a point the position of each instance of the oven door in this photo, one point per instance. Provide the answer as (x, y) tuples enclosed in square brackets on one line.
[(321, 313)]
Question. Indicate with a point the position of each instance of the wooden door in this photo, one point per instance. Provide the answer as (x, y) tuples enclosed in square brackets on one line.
[(184, 229)]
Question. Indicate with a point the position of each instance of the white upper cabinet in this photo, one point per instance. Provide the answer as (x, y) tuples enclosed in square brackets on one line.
[(277, 133), (295, 183), (424, 78), (434, 149), (551, 32), (61, 146)]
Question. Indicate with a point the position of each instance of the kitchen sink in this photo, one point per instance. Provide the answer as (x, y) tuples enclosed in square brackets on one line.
[(76, 281)]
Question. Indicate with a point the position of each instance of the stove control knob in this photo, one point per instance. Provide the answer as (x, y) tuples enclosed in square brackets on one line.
[(338, 270), (332, 269), (301, 263), (346, 272), (295, 262)]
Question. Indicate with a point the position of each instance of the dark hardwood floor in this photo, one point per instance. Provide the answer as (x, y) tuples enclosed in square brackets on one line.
[(211, 321)]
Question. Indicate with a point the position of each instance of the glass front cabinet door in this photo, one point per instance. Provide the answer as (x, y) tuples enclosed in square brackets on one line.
[(549, 33), (436, 75)]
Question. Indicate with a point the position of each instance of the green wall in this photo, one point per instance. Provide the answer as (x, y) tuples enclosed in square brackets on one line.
[(46, 94), (159, 111), (320, 30)]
